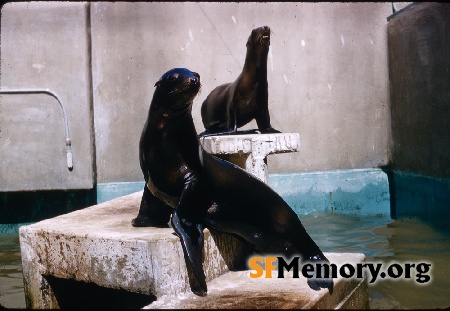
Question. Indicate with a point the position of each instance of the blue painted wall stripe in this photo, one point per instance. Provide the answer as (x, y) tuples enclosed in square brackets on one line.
[(109, 191), (356, 191)]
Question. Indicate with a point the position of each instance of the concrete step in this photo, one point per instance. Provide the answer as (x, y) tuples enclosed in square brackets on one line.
[(236, 290), (97, 245)]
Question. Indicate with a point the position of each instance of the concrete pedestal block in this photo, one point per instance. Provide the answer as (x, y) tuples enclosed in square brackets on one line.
[(98, 245), (250, 151)]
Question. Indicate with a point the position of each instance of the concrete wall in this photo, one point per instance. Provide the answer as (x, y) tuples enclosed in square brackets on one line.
[(419, 73), (327, 74), (45, 46)]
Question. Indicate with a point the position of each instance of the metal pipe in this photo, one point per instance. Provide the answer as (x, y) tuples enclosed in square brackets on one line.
[(66, 123)]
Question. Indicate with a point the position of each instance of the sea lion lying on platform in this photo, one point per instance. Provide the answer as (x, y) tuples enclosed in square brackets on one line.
[(232, 105), (200, 190)]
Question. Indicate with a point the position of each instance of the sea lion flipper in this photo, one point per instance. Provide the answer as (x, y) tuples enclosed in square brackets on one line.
[(187, 223), (152, 212), (319, 283), (191, 236)]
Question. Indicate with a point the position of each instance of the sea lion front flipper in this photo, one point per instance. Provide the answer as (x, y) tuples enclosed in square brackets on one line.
[(152, 212), (263, 121), (269, 130), (187, 223)]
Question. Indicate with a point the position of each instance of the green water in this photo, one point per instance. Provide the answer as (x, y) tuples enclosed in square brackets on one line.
[(11, 281), (388, 241), (380, 239)]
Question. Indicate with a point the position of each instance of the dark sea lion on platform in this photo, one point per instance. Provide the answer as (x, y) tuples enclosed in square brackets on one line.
[(232, 105), (200, 190)]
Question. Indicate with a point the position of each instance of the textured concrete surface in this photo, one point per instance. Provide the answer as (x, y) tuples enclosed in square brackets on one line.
[(45, 46), (250, 151), (420, 89), (236, 290), (98, 245), (327, 75)]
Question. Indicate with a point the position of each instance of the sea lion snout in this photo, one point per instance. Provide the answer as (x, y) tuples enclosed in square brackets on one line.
[(177, 76), (175, 91), (195, 79), (263, 35)]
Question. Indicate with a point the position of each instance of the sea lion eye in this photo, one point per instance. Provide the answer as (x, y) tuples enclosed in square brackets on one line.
[(173, 77)]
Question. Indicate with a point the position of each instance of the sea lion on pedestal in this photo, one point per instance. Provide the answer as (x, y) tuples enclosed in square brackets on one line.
[(232, 105)]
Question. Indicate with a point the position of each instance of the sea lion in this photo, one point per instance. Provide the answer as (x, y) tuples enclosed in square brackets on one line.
[(200, 190), (232, 105)]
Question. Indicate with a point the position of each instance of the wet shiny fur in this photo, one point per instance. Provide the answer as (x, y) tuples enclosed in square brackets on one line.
[(232, 105), (193, 189)]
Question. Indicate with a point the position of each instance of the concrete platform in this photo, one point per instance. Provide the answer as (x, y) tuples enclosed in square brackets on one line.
[(98, 245), (236, 290), (250, 151)]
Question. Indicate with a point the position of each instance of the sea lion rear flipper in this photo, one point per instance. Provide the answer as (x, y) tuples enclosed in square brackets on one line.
[(187, 223), (191, 236), (318, 283)]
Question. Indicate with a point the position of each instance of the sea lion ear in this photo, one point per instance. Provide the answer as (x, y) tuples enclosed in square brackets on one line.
[(158, 82)]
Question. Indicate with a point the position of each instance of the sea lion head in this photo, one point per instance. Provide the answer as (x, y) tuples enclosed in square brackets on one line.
[(177, 88), (259, 37)]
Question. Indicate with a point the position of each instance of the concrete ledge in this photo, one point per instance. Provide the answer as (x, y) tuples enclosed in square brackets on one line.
[(250, 151), (99, 245), (236, 290)]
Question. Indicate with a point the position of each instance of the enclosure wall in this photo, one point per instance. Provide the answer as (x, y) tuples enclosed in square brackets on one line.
[(327, 76), (419, 73)]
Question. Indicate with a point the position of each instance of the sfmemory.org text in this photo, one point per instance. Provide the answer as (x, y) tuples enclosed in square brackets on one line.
[(264, 266)]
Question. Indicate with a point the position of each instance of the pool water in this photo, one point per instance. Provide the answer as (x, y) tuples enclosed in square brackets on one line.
[(11, 281), (380, 239), (390, 241)]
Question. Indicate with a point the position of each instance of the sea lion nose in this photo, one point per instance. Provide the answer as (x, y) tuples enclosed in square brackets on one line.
[(194, 80)]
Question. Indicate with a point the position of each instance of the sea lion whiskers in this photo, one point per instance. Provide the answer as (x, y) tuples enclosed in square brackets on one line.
[(183, 87), (178, 90), (263, 38)]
